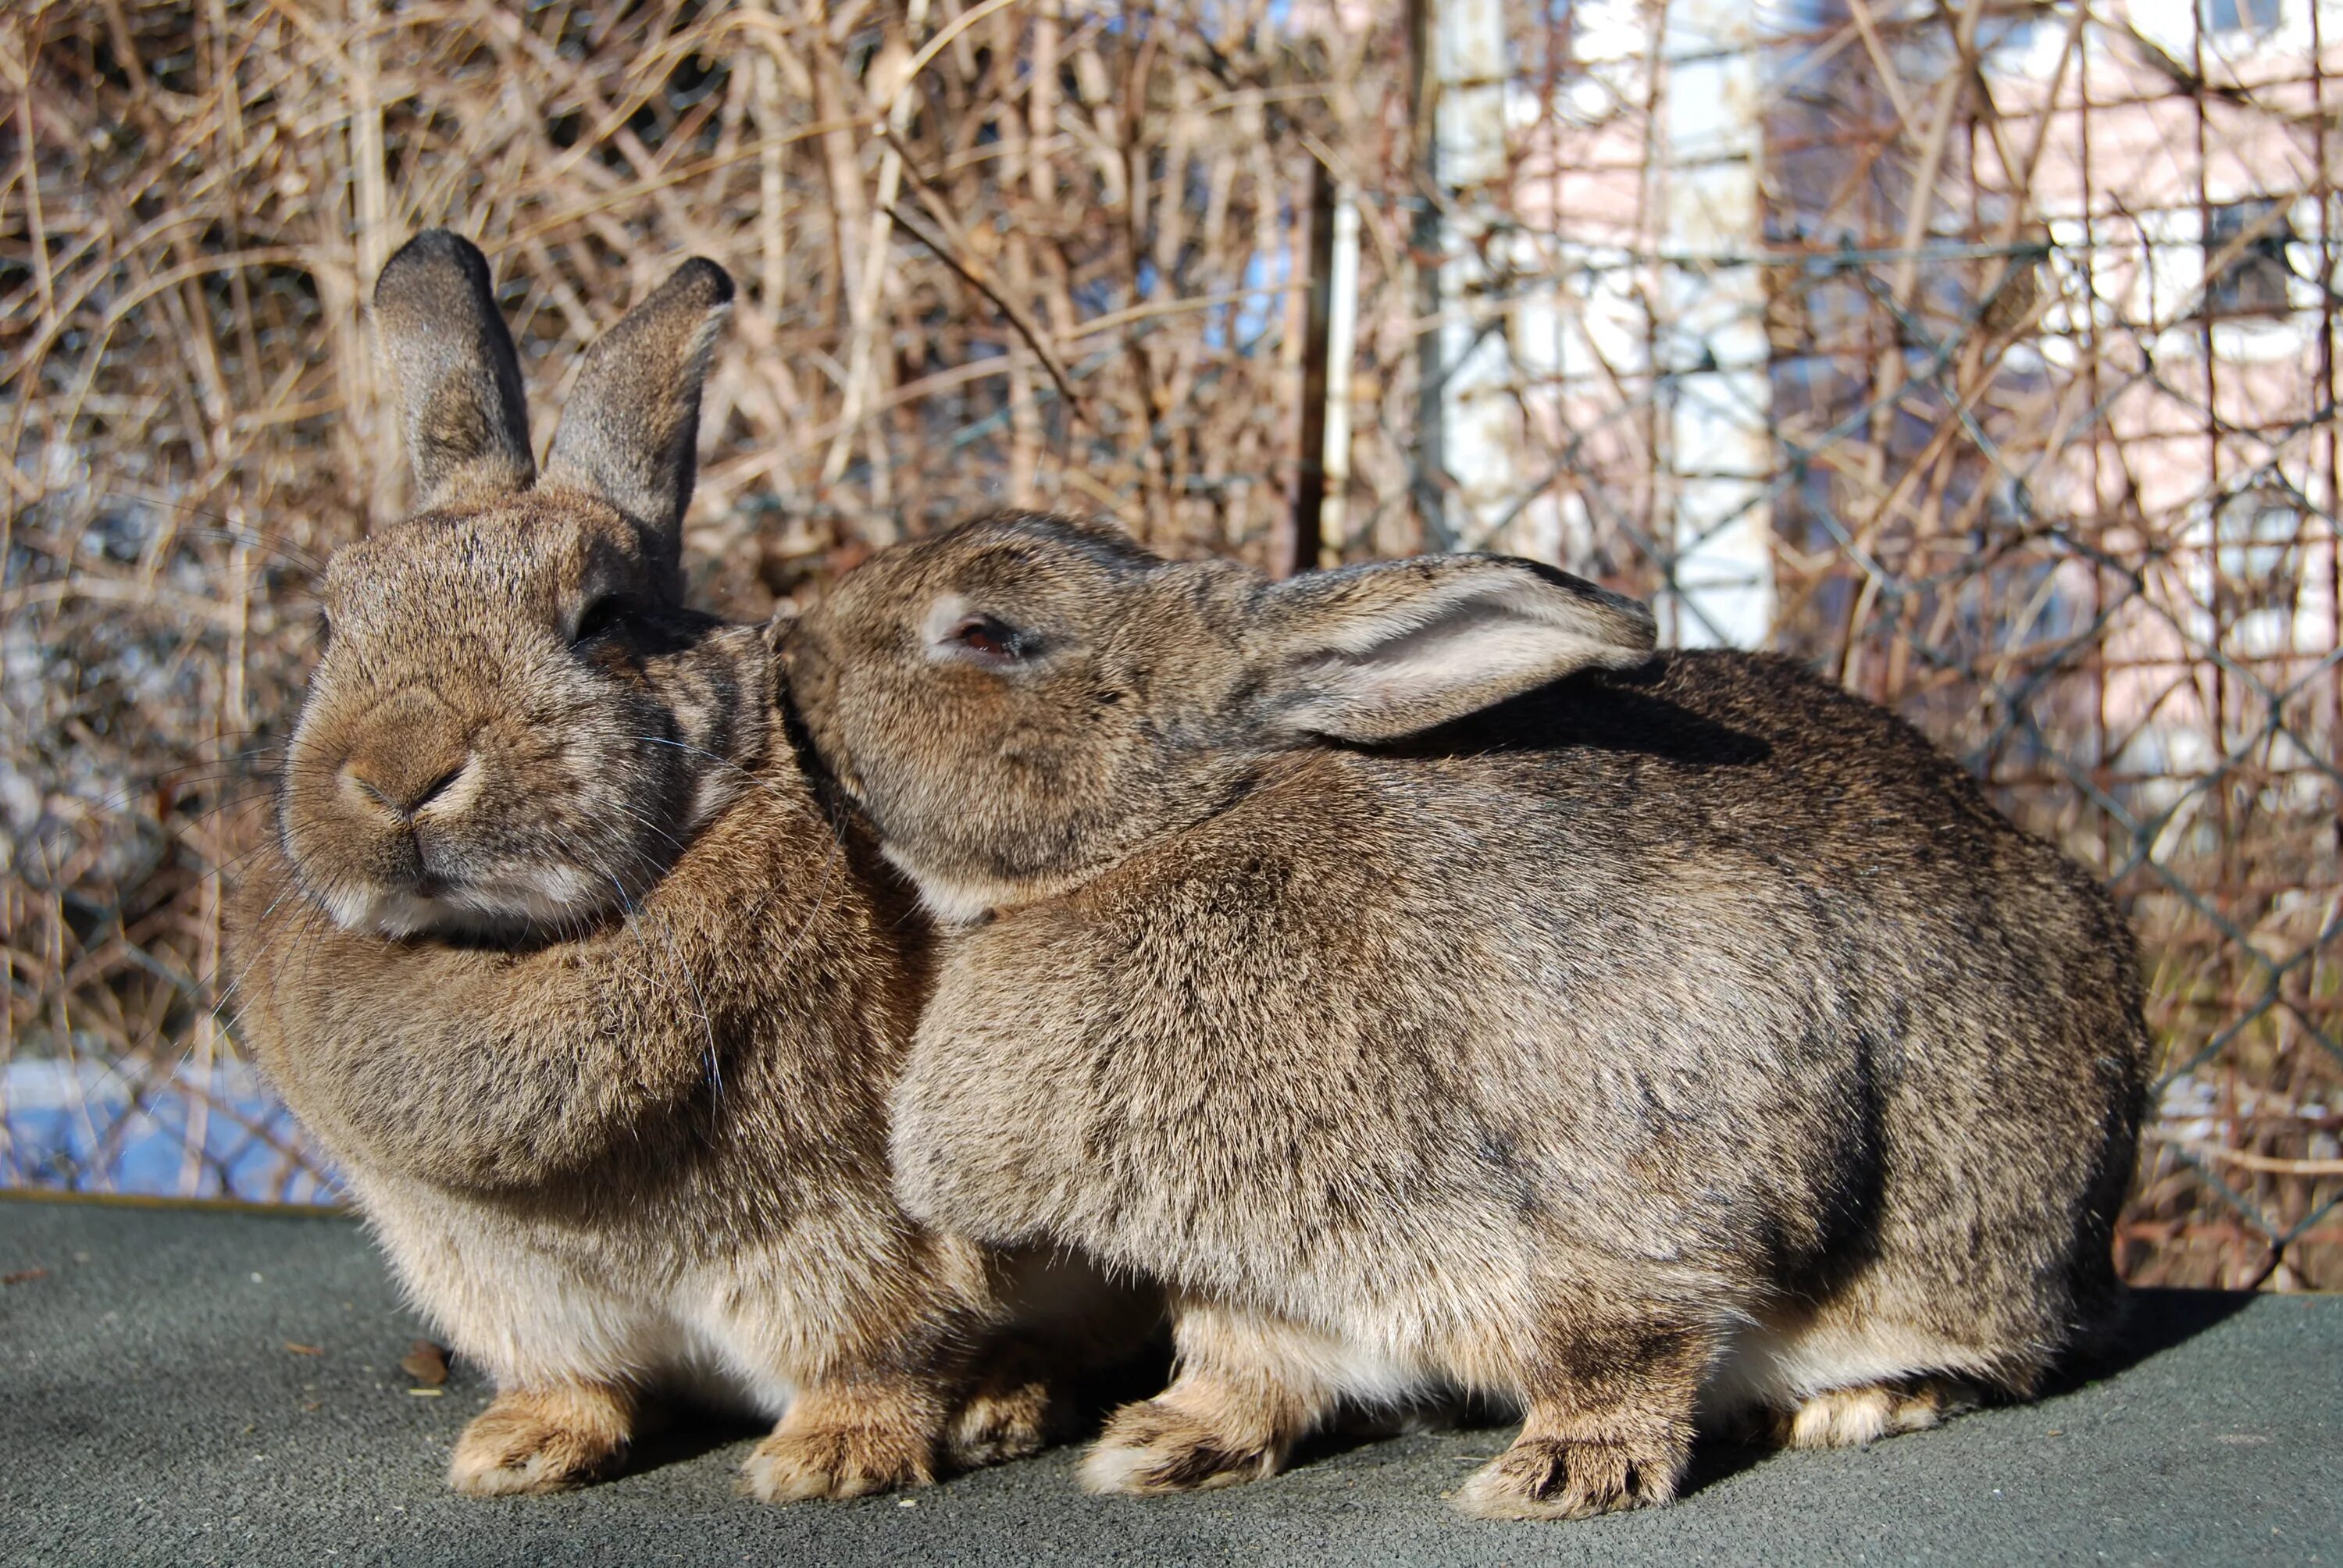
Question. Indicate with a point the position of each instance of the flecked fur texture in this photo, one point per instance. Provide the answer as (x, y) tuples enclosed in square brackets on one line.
[(564, 958), (1438, 989)]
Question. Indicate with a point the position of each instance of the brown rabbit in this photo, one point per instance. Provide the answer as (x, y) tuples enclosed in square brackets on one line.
[(562, 957), (1438, 989)]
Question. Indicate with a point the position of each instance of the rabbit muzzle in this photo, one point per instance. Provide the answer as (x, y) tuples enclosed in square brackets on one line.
[(415, 817)]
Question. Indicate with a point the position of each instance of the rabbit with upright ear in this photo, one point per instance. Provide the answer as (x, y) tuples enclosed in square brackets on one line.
[(1438, 989), (563, 956)]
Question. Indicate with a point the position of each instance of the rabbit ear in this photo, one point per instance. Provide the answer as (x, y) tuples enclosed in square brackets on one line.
[(449, 355), (1372, 653), (631, 431)]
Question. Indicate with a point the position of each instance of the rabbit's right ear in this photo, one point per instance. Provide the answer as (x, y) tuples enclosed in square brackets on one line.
[(1375, 652), (631, 431), (451, 360)]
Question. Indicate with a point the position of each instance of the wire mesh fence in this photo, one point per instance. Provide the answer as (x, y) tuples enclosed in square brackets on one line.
[(1982, 352)]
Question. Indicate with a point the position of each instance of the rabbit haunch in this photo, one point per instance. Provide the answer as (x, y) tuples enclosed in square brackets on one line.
[(1625, 1035), (560, 955)]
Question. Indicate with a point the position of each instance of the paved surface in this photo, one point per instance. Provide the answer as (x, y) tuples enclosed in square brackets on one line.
[(152, 1410)]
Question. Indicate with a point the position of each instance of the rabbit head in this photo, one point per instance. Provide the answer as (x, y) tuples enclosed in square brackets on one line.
[(1019, 703), (514, 720)]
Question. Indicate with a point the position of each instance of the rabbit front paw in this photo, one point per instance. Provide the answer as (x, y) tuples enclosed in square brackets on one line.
[(1557, 1478), (797, 1463), (1151, 1447), (530, 1442)]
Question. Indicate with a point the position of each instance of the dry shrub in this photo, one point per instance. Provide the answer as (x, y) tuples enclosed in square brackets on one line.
[(1053, 276), (1056, 265)]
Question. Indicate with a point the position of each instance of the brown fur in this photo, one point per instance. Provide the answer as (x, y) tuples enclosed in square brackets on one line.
[(564, 958), (1437, 988)]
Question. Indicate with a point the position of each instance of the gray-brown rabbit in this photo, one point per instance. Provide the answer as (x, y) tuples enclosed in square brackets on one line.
[(1439, 990), (561, 956)]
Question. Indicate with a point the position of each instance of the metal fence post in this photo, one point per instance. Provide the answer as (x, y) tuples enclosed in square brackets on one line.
[(1720, 453)]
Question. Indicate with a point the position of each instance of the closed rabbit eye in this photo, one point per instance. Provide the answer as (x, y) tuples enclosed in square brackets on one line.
[(605, 615), (989, 640)]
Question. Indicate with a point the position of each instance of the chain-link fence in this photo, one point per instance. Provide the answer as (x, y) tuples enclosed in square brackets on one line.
[(1982, 352)]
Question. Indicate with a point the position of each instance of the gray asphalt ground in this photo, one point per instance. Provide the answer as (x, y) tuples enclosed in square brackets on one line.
[(152, 1410)]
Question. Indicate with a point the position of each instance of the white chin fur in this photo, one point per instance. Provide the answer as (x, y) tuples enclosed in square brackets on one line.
[(549, 896), (952, 903), (967, 900)]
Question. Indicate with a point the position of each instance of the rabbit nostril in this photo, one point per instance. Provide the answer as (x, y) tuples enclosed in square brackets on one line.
[(401, 787), (435, 788), (355, 778)]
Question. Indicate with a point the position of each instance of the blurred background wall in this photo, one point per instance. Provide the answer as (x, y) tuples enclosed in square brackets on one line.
[(1981, 352)]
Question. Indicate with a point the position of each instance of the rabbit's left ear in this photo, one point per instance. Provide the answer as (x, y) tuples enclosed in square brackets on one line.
[(1376, 652), (630, 433)]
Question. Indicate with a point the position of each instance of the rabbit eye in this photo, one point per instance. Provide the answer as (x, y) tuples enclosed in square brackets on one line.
[(992, 640), (604, 615)]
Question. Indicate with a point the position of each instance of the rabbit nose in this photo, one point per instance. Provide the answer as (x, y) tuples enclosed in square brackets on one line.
[(408, 752), (403, 780)]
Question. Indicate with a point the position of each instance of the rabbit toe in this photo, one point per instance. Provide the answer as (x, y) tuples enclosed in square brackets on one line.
[(1858, 1417), (999, 1423), (1553, 1478), (520, 1445), (837, 1462), (1151, 1447)]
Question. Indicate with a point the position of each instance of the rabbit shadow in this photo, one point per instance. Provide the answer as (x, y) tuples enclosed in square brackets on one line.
[(1612, 711), (687, 1432), (2154, 1319), (1716, 1456)]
